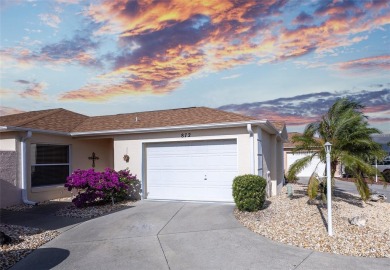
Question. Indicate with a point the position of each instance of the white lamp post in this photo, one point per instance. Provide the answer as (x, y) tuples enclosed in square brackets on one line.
[(376, 172), (328, 147)]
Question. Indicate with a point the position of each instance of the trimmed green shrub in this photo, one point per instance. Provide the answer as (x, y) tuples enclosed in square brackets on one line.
[(249, 192)]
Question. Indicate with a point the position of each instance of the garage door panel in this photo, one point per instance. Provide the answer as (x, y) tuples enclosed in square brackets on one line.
[(178, 193), (220, 162), (175, 178), (178, 170)]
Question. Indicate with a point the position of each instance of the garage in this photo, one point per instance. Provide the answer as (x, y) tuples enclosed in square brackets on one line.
[(192, 170), (306, 172)]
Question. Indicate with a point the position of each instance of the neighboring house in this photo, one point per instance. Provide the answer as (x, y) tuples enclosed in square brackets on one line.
[(315, 165), (180, 154), (290, 158)]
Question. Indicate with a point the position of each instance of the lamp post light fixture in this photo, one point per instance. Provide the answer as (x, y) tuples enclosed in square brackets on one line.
[(328, 148)]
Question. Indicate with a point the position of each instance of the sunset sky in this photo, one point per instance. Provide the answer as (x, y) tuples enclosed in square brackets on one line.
[(277, 59)]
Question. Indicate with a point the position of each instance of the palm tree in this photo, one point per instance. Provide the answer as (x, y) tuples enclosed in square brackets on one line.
[(346, 128)]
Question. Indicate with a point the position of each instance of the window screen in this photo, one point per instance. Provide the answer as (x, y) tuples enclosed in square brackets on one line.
[(49, 164)]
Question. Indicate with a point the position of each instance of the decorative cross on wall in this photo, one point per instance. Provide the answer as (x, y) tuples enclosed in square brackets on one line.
[(93, 158)]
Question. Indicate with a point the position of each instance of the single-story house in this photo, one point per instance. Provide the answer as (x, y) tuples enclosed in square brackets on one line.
[(179, 154)]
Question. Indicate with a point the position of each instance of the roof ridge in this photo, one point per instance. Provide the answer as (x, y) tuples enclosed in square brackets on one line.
[(163, 110), (32, 119), (228, 112)]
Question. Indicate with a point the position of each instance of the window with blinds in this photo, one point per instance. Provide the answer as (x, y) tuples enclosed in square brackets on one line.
[(49, 164)]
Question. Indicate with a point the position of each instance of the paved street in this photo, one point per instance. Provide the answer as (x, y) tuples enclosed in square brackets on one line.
[(351, 187)]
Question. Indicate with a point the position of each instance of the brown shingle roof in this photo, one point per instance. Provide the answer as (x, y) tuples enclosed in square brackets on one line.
[(163, 118), (66, 121), (278, 125), (289, 144), (60, 120)]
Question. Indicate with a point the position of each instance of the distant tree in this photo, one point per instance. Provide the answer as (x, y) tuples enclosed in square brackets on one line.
[(346, 128)]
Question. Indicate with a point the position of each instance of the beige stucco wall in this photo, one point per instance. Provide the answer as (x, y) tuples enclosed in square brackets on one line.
[(273, 161), (280, 165), (134, 145), (80, 150), (266, 140), (8, 141)]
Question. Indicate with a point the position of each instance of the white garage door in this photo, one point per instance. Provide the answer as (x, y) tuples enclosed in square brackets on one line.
[(200, 171), (291, 158)]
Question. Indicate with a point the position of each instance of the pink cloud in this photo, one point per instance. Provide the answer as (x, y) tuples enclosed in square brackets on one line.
[(51, 20), (9, 110), (161, 44), (34, 90), (381, 62), (225, 33)]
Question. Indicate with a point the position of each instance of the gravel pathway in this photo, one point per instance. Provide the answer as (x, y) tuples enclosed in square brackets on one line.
[(294, 222)]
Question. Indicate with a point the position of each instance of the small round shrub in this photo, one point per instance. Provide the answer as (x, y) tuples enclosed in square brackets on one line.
[(249, 192), (386, 176)]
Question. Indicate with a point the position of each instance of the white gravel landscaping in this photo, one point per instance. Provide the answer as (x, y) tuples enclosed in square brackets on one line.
[(24, 241), (92, 211), (74, 212), (294, 222)]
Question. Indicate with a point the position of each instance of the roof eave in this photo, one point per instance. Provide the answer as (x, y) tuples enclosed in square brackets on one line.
[(270, 127), (263, 123), (52, 132)]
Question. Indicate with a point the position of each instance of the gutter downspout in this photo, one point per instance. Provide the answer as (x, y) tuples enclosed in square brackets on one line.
[(24, 169), (252, 147)]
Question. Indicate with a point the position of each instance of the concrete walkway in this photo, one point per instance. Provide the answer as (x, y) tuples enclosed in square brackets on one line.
[(175, 235)]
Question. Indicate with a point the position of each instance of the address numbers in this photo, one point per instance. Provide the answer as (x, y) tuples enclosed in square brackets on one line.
[(186, 134)]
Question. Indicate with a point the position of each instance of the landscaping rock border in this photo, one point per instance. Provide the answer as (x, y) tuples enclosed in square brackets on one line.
[(293, 221), (24, 241), (93, 211)]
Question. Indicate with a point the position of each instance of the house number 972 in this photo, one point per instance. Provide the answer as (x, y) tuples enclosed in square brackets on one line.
[(186, 134)]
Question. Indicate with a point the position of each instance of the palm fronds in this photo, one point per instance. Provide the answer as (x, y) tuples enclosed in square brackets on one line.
[(346, 128), (298, 166)]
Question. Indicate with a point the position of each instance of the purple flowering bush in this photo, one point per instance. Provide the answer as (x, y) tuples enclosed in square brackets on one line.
[(100, 187)]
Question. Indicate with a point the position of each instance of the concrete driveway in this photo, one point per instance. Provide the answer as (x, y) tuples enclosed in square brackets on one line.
[(177, 235)]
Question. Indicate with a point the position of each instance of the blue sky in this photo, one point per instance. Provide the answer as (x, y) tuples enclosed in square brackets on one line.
[(278, 59)]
